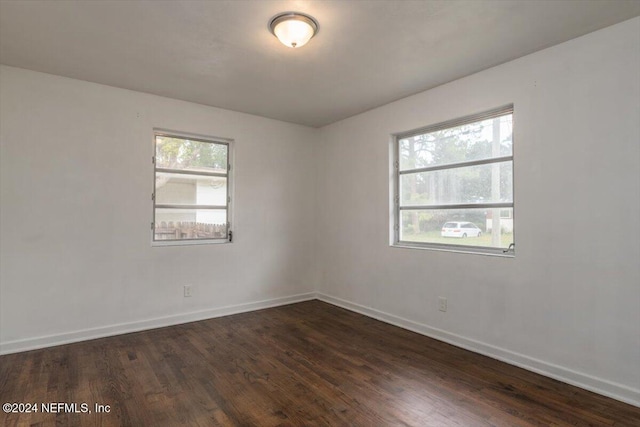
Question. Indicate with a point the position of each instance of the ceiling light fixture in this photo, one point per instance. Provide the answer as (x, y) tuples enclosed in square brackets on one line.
[(293, 29)]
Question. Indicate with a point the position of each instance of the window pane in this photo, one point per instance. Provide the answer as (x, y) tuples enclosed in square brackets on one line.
[(490, 183), (474, 141), (181, 224), (177, 189), (180, 153), (469, 227)]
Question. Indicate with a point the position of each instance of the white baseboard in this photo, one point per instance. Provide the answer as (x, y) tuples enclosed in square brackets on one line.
[(585, 381), (597, 385), (159, 322)]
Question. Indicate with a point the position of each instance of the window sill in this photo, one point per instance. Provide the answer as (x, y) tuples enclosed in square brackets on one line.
[(495, 252), (186, 242)]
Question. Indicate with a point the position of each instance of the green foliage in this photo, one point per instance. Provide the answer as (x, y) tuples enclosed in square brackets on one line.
[(179, 153)]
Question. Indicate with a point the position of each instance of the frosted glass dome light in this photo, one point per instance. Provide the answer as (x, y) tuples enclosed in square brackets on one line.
[(293, 29)]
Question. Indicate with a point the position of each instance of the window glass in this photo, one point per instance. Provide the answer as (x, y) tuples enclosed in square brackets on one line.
[(190, 189), (189, 154), (191, 198), (464, 143), (459, 185), (431, 226), (454, 184)]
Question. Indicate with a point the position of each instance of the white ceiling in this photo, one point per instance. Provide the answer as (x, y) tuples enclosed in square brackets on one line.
[(220, 53)]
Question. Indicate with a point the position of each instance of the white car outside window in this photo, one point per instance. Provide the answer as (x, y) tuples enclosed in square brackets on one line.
[(460, 229)]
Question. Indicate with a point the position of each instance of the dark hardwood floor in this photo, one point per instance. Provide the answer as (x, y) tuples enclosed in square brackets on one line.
[(307, 364)]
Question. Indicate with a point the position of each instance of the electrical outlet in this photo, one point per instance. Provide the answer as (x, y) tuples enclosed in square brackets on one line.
[(187, 290), (442, 304)]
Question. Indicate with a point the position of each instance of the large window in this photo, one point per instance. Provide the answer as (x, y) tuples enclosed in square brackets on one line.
[(191, 198), (454, 185)]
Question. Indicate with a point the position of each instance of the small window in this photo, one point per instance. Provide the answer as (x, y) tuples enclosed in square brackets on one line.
[(454, 184), (191, 198)]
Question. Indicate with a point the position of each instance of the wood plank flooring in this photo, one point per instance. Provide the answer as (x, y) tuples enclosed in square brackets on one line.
[(306, 364)]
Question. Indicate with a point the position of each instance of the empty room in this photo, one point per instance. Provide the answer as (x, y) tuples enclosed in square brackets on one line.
[(320, 213)]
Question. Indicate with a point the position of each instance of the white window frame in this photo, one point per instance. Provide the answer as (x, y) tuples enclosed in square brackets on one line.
[(228, 206), (396, 207)]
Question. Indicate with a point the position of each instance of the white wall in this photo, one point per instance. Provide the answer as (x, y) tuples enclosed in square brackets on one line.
[(569, 303), (76, 181)]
